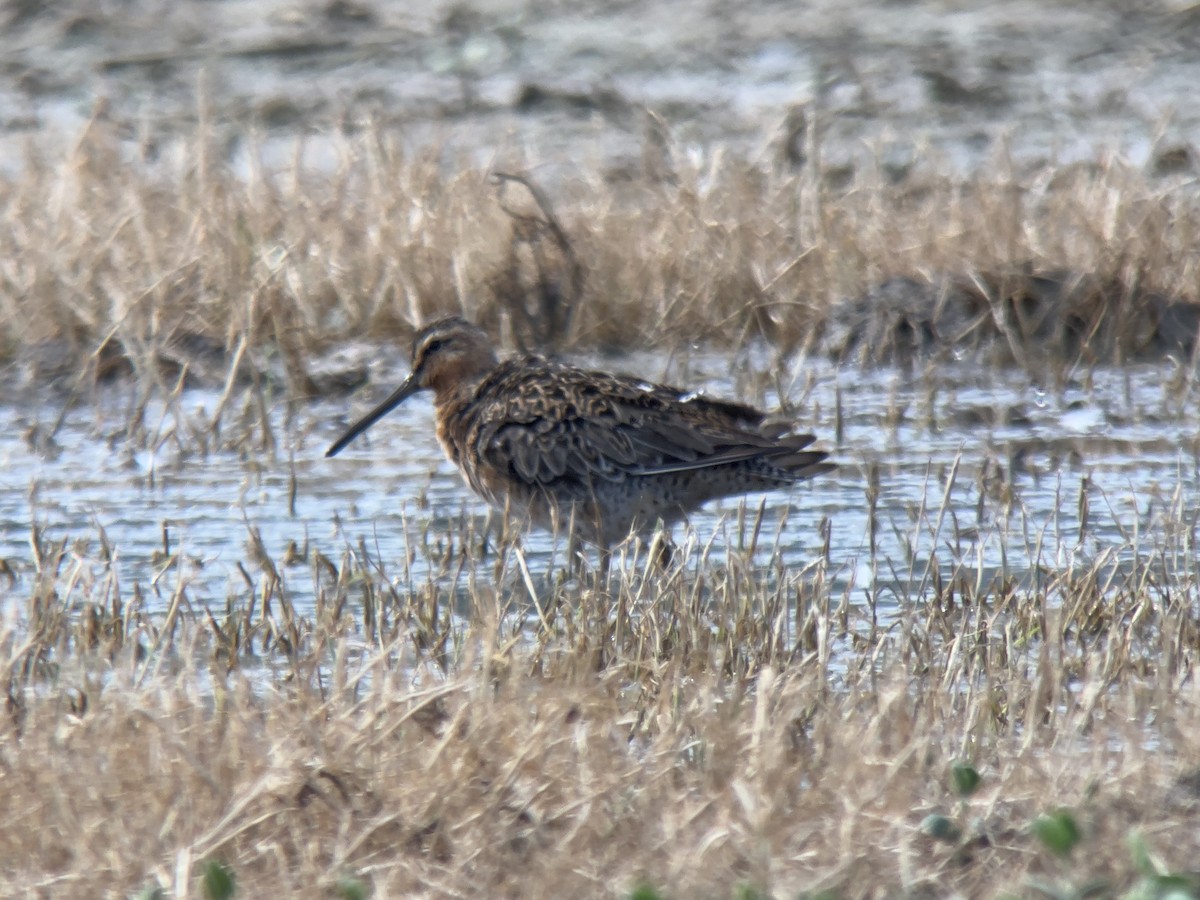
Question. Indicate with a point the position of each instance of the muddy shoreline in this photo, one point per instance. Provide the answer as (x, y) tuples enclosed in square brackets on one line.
[(952, 86), (1044, 323)]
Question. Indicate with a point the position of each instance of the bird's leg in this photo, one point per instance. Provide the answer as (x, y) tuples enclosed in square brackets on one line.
[(605, 568), (605, 551), (662, 549), (575, 557)]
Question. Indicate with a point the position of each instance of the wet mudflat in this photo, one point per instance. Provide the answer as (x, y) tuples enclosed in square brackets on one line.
[(898, 84)]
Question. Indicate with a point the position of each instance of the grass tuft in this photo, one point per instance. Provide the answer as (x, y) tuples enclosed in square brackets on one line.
[(195, 273)]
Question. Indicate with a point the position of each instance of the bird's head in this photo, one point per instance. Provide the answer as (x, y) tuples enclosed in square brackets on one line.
[(450, 352), (446, 354)]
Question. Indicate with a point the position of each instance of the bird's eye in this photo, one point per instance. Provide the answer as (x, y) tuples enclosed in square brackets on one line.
[(435, 346)]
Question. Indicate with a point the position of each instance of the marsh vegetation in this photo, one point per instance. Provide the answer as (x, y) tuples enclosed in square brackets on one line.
[(962, 664)]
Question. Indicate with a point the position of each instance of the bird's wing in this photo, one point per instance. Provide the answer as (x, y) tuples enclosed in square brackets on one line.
[(566, 424), (787, 454)]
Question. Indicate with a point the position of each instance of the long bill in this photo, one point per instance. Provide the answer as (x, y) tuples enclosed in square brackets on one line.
[(397, 397)]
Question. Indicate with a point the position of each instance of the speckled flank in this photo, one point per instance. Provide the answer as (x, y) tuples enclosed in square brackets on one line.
[(617, 454)]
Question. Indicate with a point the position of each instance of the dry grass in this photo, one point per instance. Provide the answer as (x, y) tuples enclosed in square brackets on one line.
[(112, 267), (727, 726), (730, 725)]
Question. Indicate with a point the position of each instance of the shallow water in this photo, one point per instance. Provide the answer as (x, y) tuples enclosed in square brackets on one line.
[(1124, 439)]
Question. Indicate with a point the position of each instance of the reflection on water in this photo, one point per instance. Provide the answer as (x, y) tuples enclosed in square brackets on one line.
[(1018, 464)]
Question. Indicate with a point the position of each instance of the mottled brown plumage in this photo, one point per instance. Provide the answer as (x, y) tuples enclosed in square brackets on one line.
[(613, 454)]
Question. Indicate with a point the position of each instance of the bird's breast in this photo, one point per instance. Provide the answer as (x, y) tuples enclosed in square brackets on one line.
[(460, 434), (451, 428)]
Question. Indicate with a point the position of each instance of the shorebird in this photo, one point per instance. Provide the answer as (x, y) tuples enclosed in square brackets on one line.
[(611, 455)]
